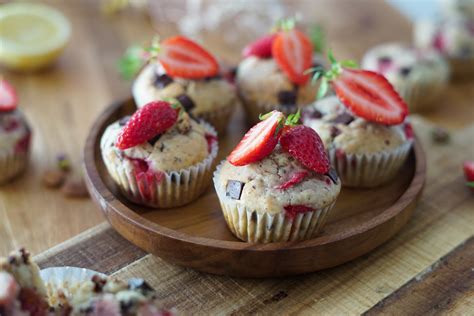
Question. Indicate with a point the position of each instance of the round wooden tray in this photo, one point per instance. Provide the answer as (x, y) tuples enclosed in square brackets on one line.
[(196, 235)]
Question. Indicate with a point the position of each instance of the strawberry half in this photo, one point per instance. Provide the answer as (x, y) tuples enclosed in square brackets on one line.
[(293, 52), (468, 167), (8, 97), (261, 47), (184, 58), (304, 144), (370, 96), (258, 142), (147, 122)]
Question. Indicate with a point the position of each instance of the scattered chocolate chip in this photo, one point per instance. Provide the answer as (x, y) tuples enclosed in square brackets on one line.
[(25, 256), (440, 136), (74, 187), (140, 284), (315, 114), (162, 147), (124, 120), (216, 77), (154, 140), (162, 81), (384, 59), (332, 174), (334, 131), (12, 260), (234, 189), (99, 283), (53, 178), (387, 142), (343, 118), (186, 102), (287, 98), (405, 71)]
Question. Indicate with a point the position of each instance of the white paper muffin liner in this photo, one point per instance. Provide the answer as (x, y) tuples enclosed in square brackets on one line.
[(369, 170), (173, 188), (12, 164), (249, 225), (219, 118), (63, 282)]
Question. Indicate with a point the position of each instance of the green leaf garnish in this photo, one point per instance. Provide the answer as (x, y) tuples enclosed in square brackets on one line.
[(323, 88), (316, 34), (349, 64), (293, 119), (285, 24), (331, 57), (263, 117), (135, 57), (470, 184)]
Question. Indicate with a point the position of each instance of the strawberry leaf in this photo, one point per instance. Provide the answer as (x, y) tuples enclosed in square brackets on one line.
[(349, 64), (316, 34), (263, 117), (331, 57), (293, 119), (131, 62), (285, 24), (323, 88)]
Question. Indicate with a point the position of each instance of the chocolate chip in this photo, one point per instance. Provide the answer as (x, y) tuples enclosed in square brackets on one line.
[(216, 77), (387, 142), (334, 131), (162, 81), (99, 283), (315, 114), (405, 71), (25, 256), (332, 174), (124, 120), (140, 285), (343, 118), (186, 102), (440, 136), (234, 189), (384, 59), (153, 140), (287, 98)]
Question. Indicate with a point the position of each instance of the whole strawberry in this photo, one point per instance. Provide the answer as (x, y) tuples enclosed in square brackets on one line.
[(261, 47), (304, 144), (154, 118), (469, 174)]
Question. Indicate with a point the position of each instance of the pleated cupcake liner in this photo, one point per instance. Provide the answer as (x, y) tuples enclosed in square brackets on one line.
[(249, 225), (369, 170), (12, 164), (62, 283), (219, 118), (165, 189)]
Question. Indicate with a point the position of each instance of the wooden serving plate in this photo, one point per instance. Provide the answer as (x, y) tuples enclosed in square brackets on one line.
[(196, 235)]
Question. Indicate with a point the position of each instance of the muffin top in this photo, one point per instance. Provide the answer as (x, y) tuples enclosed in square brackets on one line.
[(266, 186), (196, 95), (13, 129), (261, 81), (401, 64), (340, 129), (185, 144), (452, 37)]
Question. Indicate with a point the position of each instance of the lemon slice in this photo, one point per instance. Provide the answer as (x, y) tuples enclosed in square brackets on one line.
[(31, 35)]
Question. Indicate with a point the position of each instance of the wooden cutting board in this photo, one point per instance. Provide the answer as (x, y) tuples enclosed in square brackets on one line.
[(427, 268)]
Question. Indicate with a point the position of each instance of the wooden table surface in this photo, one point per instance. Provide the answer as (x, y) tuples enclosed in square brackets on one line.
[(62, 102)]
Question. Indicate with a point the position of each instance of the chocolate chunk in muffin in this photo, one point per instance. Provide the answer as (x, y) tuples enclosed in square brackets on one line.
[(186, 102), (234, 189), (162, 81)]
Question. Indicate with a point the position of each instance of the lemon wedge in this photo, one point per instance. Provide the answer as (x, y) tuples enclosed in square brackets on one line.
[(31, 35)]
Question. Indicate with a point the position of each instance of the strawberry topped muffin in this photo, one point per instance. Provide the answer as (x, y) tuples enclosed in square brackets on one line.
[(181, 69), (363, 126), (277, 184), (160, 157), (420, 77), (272, 72), (15, 135)]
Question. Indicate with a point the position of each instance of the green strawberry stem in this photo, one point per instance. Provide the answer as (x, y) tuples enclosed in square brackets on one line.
[(286, 24), (329, 75), (470, 184), (136, 56)]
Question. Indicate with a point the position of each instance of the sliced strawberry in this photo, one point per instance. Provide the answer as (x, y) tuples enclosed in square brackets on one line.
[(8, 97), (184, 58), (292, 210), (147, 122), (261, 47), (293, 52), (295, 178), (370, 96), (468, 167), (258, 142), (306, 146)]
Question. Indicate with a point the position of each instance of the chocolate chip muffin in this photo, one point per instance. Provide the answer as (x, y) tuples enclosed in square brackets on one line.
[(212, 99), (170, 169), (15, 135), (420, 77), (364, 154)]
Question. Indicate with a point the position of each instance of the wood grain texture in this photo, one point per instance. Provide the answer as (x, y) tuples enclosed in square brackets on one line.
[(197, 236)]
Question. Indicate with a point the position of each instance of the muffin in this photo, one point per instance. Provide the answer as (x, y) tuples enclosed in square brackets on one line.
[(420, 77), (160, 159), (453, 38), (15, 135), (194, 80), (272, 73), (274, 190), (364, 153)]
